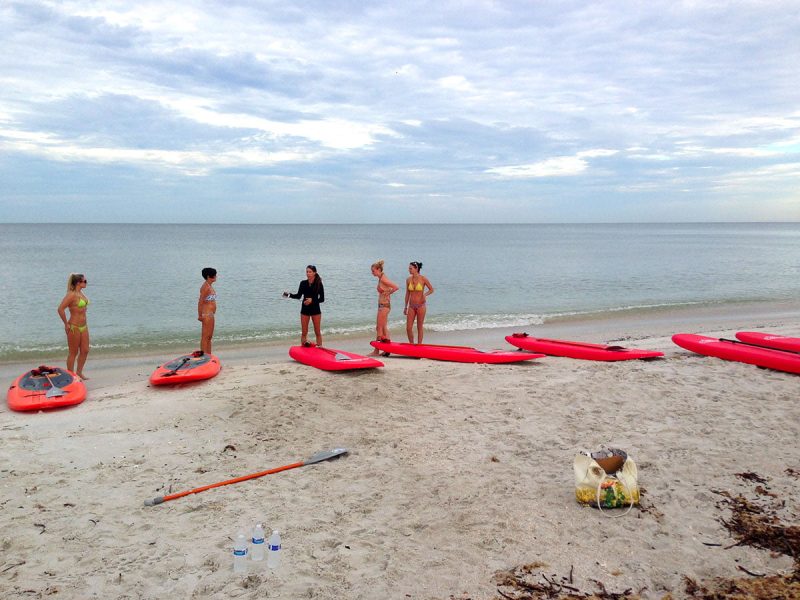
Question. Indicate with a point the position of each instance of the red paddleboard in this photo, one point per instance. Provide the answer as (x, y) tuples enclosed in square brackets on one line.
[(186, 368), (463, 354), (580, 350), (29, 390), (740, 352), (779, 342), (329, 359)]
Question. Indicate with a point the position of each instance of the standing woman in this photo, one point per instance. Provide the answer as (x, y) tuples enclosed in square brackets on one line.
[(75, 327), (415, 300), (207, 308), (313, 294), (386, 287)]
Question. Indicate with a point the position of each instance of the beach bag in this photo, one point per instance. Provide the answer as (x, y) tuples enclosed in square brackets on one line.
[(607, 478)]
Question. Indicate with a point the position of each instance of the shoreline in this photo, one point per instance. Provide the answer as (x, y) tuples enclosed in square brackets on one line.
[(618, 326)]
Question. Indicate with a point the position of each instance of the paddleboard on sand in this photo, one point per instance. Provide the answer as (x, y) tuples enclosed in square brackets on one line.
[(463, 354), (186, 368), (732, 350), (779, 342), (580, 350), (30, 390), (329, 359)]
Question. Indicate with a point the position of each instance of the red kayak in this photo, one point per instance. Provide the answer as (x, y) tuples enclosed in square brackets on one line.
[(580, 350), (779, 360), (45, 387), (779, 342), (329, 359), (463, 354), (190, 367)]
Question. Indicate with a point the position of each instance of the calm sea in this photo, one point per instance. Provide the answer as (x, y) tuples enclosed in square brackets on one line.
[(144, 279)]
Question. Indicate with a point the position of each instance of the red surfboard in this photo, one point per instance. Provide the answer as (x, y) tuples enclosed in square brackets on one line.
[(779, 342), (29, 390), (580, 350), (779, 360), (329, 359), (186, 368), (463, 354)]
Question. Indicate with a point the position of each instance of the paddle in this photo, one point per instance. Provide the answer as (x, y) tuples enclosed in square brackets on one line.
[(54, 390), (174, 371), (318, 457), (758, 346)]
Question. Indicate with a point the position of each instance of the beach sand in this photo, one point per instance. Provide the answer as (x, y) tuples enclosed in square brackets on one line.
[(455, 471)]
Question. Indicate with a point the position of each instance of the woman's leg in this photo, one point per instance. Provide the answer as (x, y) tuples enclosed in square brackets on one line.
[(73, 345), (304, 329), (383, 323), (83, 353), (420, 321), (206, 333), (317, 320), (410, 324)]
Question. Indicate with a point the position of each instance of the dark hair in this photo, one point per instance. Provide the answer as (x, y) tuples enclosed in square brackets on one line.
[(417, 264), (317, 278), (209, 272)]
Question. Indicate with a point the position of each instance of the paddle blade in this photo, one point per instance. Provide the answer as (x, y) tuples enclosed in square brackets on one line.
[(340, 356), (325, 455), (54, 392)]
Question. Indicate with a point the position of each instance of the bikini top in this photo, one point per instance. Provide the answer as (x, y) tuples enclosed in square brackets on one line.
[(211, 298), (415, 288), (82, 303)]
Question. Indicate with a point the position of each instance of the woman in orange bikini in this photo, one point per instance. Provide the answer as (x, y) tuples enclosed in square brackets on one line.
[(75, 326), (415, 300), (386, 287), (207, 308)]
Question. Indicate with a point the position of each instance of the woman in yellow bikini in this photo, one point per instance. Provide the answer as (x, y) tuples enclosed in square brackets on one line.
[(207, 308), (386, 287), (415, 300), (75, 327)]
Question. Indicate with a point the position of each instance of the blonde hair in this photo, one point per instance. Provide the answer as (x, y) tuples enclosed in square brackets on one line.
[(378, 265), (73, 280)]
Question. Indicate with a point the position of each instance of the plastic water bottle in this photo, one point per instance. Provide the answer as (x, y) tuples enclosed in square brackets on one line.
[(274, 556), (240, 553), (257, 552)]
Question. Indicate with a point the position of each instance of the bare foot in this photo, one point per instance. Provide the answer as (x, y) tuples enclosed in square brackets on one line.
[(82, 377)]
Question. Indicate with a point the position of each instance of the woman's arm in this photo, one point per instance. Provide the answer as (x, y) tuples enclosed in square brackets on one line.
[(62, 308), (200, 301), (408, 293), (428, 285), (299, 293), (321, 295), (393, 287)]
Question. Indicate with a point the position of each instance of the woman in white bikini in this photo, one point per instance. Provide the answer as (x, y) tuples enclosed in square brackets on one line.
[(75, 326), (207, 308), (416, 294), (386, 287)]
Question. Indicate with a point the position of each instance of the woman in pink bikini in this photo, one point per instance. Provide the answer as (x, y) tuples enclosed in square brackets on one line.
[(386, 287), (415, 300), (75, 326)]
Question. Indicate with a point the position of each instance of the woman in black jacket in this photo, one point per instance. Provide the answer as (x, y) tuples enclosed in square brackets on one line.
[(313, 294)]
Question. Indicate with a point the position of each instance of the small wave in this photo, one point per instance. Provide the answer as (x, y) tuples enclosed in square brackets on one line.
[(493, 321)]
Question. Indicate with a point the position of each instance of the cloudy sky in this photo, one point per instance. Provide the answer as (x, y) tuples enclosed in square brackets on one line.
[(254, 111)]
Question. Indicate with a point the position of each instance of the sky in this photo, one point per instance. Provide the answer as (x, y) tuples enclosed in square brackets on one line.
[(254, 111)]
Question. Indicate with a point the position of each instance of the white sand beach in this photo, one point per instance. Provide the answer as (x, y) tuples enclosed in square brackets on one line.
[(455, 471)]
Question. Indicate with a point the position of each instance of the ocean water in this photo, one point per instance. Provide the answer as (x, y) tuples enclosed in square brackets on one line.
[(144, 280)]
